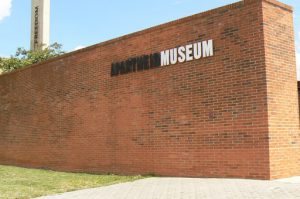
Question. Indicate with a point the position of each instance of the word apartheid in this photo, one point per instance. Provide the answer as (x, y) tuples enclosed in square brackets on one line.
[(173, 56)]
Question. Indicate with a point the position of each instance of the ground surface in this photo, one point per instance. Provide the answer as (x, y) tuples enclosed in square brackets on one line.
[(185, 188), (28, 183)]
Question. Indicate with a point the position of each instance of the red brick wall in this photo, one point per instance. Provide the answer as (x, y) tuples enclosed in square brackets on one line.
[(205, 118), (283, 111)]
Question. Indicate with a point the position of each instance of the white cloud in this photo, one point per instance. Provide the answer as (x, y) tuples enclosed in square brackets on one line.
[(5, 8), (78, 47), (4, 56)]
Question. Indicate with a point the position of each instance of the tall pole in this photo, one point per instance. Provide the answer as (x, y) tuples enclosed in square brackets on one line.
[(40, 24)]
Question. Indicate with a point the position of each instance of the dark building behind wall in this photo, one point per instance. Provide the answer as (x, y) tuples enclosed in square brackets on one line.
[(234, 114)]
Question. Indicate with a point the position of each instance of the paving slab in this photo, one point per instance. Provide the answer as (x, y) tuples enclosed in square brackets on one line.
[(290, 180), (191, 188)]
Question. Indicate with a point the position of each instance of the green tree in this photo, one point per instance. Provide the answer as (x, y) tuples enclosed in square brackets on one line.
[(24, 57)]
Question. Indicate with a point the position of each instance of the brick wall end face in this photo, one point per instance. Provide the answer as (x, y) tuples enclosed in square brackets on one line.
[(204, 118), (283, 108)]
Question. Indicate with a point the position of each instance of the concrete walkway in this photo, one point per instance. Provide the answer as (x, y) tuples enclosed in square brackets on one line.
[(187, 188)]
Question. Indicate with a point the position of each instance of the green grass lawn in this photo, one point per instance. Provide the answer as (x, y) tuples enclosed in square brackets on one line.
[(20, 183)]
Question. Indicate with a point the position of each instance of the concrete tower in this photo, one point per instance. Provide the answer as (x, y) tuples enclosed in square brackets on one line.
[(40, 24)]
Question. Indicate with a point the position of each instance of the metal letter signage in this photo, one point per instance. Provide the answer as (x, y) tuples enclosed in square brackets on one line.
[(173, 56)]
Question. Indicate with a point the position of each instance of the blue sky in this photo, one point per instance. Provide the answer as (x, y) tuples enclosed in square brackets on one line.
[(82, 23)]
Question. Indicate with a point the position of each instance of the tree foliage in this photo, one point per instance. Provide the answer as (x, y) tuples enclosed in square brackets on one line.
[(23, 57)]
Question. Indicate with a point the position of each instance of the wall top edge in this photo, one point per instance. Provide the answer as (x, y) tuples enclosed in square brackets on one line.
[(154, 28)]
